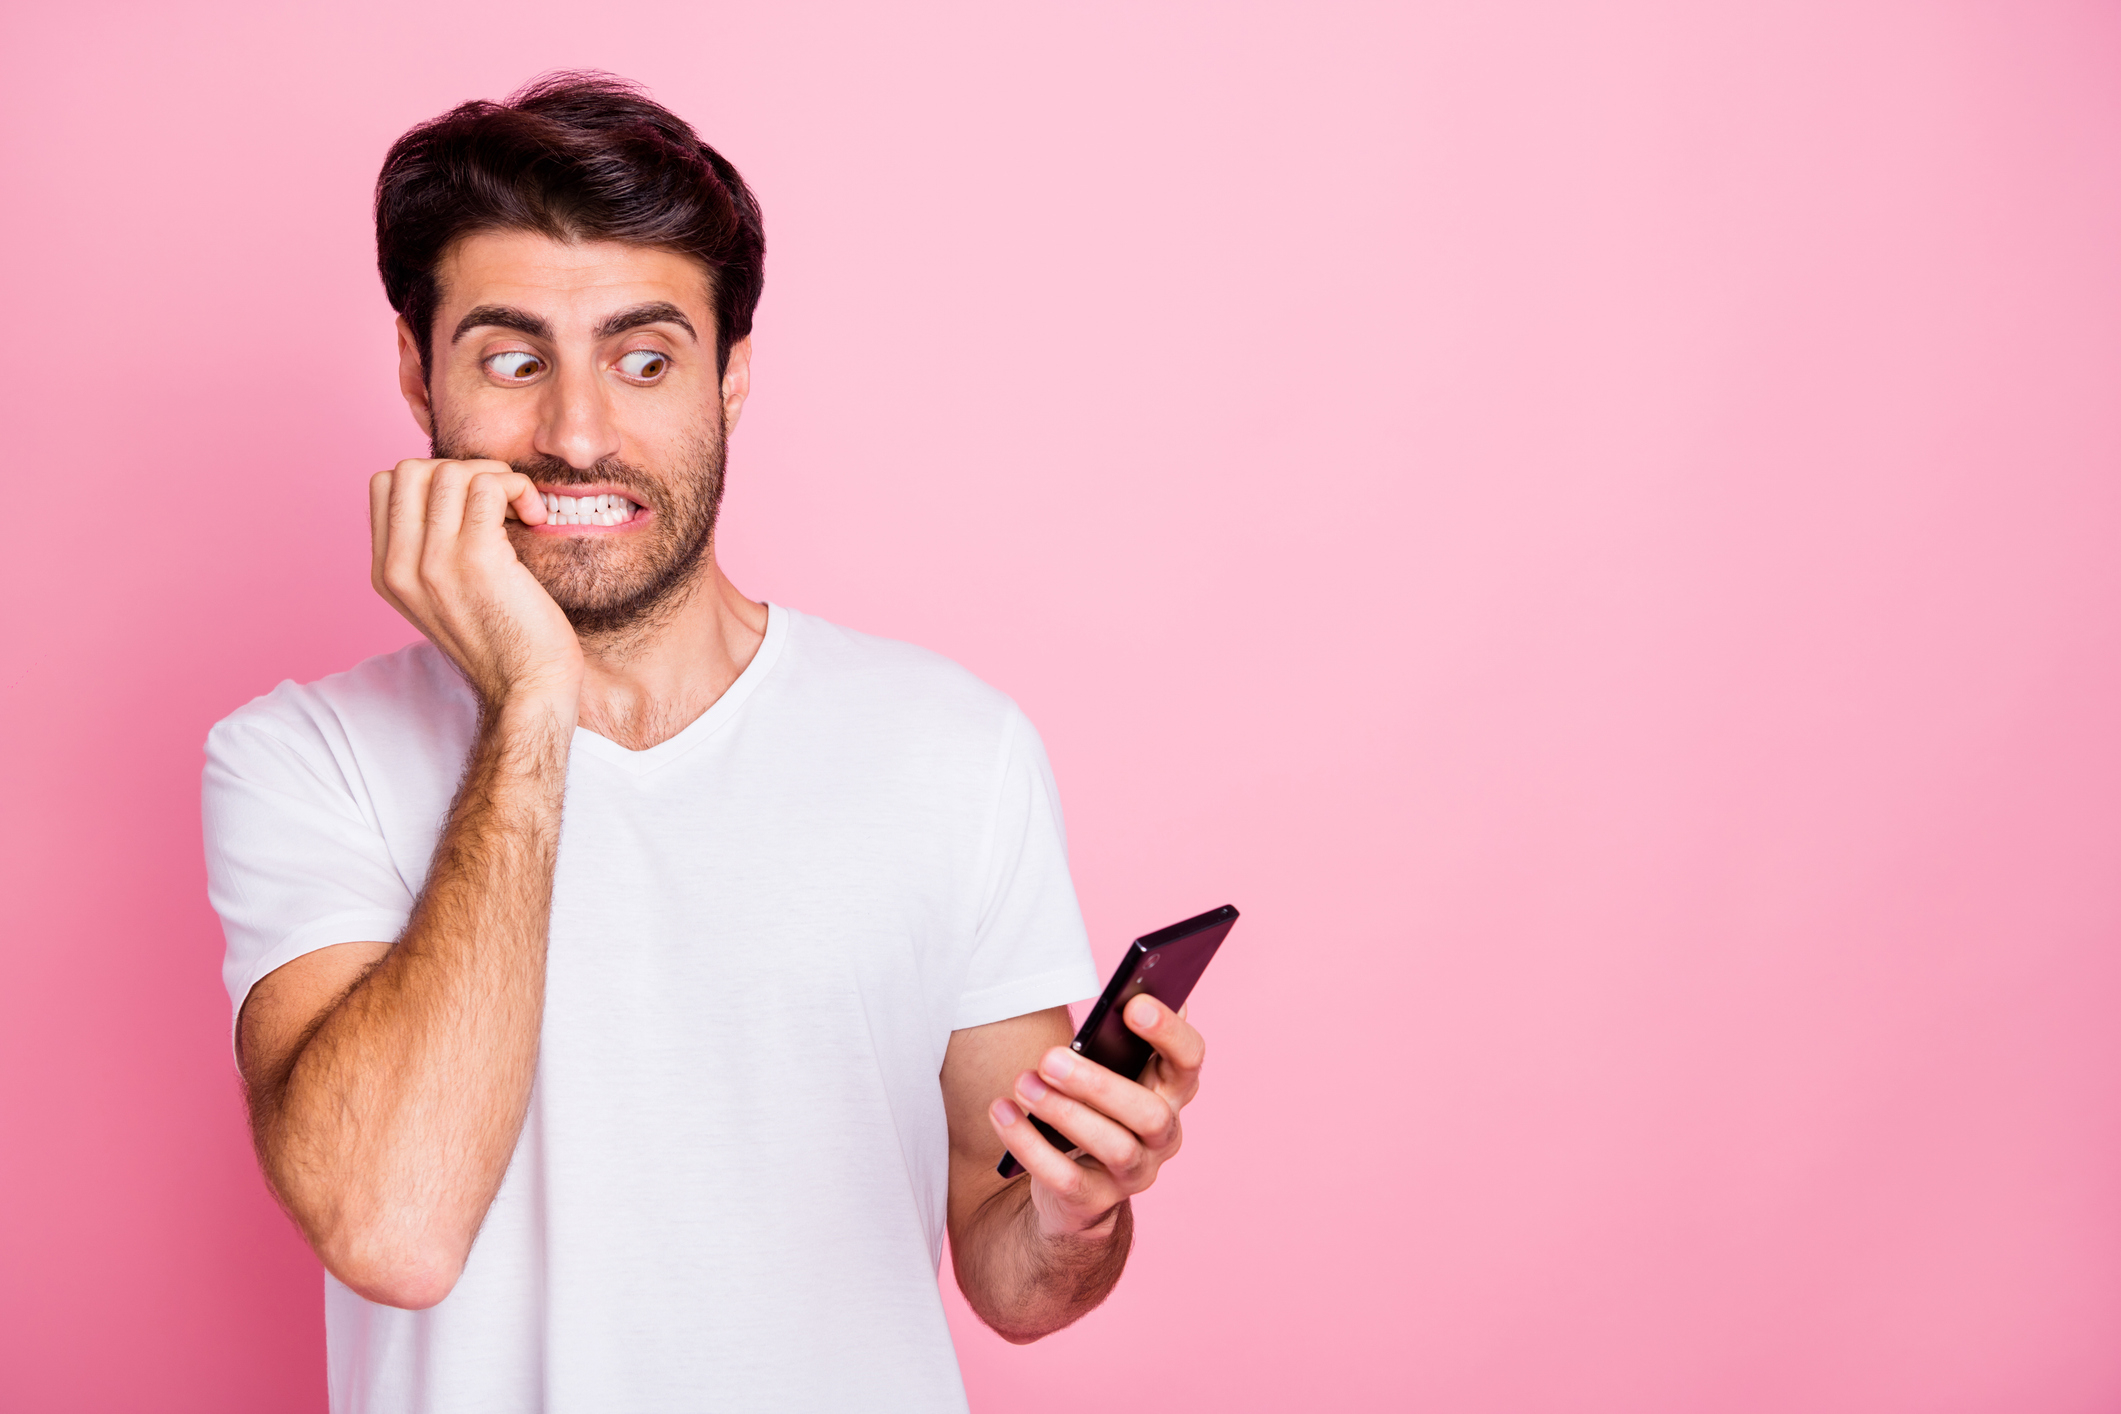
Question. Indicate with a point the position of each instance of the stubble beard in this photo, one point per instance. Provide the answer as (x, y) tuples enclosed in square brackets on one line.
[(620, 587)]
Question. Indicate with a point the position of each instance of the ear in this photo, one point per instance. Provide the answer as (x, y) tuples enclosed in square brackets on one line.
[(412, 378), (736, 383)]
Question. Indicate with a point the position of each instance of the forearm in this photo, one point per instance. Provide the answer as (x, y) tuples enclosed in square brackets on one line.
[(1027, 1283), (392, 1124)]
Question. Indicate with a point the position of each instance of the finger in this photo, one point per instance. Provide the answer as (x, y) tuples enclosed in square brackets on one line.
[(527, 503), (1076, 1185), (452, 483), (1180, 1046), (1110, 1142), (408, 491), (405, 529), (445, 506), (378, 528), (492, 495), (1143, 1115)]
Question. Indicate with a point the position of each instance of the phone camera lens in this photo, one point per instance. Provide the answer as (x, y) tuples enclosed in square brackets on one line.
[(1151, 962)]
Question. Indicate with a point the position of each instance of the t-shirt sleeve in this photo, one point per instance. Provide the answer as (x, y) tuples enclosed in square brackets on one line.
[(1030, 950), (294, 862)]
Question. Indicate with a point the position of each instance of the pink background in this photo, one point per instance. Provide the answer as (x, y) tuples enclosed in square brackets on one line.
[(1596, 526)]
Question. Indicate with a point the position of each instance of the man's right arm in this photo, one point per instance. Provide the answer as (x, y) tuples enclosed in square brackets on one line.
[(388, 1082)]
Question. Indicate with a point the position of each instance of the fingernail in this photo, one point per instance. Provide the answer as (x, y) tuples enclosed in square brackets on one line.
[(1027, 1085), (1144, 1011), (1005, 1113), (1058, 1064)]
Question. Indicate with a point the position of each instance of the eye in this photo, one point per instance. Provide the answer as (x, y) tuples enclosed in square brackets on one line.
[(515, 366), (644, 365)]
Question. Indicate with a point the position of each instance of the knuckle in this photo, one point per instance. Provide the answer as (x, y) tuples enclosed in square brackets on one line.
[(1133, 1161)]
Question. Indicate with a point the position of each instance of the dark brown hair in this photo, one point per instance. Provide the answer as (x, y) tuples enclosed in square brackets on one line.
[(574, 156)]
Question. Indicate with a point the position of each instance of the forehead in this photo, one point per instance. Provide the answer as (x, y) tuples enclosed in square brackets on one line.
[(568, 282)]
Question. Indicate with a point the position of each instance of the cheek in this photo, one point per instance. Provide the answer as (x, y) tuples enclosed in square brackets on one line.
[(668, 431), (499, 422)]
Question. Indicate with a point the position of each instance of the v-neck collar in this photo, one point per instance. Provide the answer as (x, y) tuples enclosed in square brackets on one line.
[(709, 722)]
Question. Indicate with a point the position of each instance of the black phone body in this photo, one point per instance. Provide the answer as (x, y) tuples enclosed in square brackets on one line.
[(1165, 965)]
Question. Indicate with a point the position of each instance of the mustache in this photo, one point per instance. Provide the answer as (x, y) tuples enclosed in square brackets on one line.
[(608, 471), (548, 470)]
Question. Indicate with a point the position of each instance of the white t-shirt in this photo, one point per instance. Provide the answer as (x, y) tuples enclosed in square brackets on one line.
[(729, 1192)]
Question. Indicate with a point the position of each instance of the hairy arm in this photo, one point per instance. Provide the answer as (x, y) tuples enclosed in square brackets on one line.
[(385, 1120), (388, 1083)]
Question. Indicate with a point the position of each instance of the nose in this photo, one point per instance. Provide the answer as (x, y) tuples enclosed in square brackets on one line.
[(575, 424)]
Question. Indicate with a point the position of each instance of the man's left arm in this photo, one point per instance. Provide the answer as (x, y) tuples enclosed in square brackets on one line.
[(1035, 1252)]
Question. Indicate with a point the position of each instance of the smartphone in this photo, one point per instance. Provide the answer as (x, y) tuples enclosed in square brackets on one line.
[(1165, 965)]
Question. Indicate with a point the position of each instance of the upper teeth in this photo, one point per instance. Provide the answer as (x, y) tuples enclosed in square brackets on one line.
[(588, 510)]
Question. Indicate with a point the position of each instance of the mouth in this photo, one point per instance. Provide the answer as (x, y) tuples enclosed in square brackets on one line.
[(603, 511)]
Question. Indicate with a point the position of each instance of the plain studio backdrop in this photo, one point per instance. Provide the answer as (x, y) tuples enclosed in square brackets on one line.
[(1595, 526)]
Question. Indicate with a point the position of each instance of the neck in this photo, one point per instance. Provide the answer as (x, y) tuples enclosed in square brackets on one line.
[(646, 685)]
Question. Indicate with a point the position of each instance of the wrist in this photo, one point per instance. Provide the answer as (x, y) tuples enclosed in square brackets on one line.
[(527, 693), (1097, 1233), (534, 723)]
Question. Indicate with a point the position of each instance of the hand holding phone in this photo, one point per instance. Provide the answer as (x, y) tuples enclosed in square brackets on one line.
[(1163, 965)]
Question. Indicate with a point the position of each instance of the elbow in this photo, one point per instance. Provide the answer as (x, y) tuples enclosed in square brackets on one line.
[(414, 1290), (394, 1254), (409, 1276), (1020, 1335)]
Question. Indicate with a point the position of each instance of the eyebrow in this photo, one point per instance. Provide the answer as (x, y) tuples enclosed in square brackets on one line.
[(655, 312), (501, 316)]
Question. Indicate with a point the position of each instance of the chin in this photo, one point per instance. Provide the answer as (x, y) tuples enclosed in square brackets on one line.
[(603, 589)]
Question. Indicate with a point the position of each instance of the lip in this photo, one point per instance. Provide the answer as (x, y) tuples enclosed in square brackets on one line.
[(593, 488), (620, 529)]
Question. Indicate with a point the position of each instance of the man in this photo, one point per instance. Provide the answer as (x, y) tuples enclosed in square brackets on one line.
[(633, 981)]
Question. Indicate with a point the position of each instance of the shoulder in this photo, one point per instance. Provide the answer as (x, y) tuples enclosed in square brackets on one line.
[(887, 677), (411, 692)]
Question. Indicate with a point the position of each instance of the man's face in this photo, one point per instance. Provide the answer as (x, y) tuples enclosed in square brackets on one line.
[(589, 368)]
